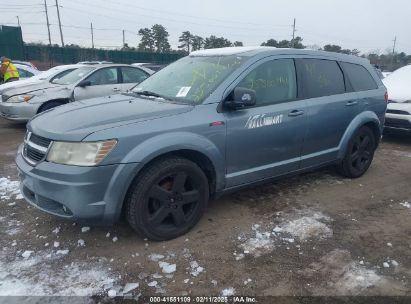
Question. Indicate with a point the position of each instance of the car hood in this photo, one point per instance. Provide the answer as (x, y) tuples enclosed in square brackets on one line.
[(398, 85), (77, 120), (31, 88), (400, 106)]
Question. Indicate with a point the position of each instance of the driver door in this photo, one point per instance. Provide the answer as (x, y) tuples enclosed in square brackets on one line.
[(103, 82), (266, 140)]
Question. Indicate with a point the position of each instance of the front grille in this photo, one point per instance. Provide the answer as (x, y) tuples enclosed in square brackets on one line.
[(398, 112), (41, 141), (35, 148), (397, 123), (34, 154)]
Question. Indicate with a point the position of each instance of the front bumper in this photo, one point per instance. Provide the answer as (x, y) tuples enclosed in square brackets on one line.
[(19, 111), (86, 194), (398, 122)]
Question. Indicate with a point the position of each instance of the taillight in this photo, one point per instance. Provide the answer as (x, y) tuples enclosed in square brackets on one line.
[(386, 97)]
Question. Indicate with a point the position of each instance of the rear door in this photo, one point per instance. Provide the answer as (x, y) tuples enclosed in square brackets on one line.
[(330, 109), (131, 76), (103, 82), (266, 140)]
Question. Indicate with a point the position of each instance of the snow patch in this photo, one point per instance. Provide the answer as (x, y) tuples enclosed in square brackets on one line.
[(308, 226), (195, 268), (166, 267), (406, 205), (9, 189), (38, 275), (227, 292)]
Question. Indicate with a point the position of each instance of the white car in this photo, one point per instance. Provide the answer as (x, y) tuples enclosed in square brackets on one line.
[(398, 116), (58, 71)]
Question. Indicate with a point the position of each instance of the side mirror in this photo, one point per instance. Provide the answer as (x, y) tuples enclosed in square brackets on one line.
[(242, 98), (84, 83)]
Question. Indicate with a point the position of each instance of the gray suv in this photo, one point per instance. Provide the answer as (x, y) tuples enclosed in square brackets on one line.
[(212, 122)]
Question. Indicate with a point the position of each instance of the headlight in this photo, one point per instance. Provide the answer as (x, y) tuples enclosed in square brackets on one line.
[(20, 98), (80, 153)]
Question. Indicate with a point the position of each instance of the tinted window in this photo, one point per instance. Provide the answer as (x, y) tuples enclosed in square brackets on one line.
[(104, 76), (273, 81), (322, 78), (133, 75), (360, 78)]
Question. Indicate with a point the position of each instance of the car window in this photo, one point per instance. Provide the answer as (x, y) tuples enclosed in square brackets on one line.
[(191, 79), (133, 75), (322, 78), (273, 81), (59, 75), (360, 78), (104, 76), (24, 73), (73, 76)]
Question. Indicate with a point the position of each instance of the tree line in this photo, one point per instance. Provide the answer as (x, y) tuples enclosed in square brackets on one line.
[(156, 39)]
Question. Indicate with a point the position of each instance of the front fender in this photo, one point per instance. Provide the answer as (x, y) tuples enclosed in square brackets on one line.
[(169, 142), (360, 120)]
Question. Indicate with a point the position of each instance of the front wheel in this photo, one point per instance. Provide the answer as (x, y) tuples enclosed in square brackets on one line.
[(360, 153), (167, 199)]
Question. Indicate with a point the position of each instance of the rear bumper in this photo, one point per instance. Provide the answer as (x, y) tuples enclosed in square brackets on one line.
[(93, 195), (398, 122), (19, 111)]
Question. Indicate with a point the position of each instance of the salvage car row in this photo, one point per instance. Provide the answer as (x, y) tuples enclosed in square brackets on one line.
[(21, 100)]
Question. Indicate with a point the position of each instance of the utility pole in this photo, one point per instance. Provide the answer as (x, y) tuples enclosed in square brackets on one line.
[(124, 38), (18, 20), (47, 19), (292, 44), (92, 35), (58, 16), (393, 48)]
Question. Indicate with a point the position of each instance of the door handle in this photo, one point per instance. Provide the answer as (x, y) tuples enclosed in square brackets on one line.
[(294, 113), (351, 103), (116, 90)]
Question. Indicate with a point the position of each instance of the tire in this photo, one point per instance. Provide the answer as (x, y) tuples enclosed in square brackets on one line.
[(49, 105), (360, 153), (167, 199)]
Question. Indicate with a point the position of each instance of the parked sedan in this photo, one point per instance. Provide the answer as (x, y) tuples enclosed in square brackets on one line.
[(86, 82), (47, 76), (398, 116)]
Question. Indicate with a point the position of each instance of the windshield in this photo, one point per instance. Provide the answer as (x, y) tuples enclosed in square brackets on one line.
[(190, 79), (73, 76)]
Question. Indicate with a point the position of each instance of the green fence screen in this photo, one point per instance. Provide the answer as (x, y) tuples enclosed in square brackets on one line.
[(11, 42)]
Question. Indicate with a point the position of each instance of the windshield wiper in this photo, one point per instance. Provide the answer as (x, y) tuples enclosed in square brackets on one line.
[(149, 93), (153, 94)]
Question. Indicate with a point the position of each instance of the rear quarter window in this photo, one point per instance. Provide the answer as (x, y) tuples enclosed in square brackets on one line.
[(359, 77), (322, 78)]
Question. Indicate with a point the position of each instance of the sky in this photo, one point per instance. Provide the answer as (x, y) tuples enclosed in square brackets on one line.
[(367, 25)]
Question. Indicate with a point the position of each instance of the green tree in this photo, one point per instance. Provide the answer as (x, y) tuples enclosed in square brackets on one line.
[(160, 37), (283, 44), (147, 40), (238, 43), (332, 48), (186, 40), (197, 42), (296, 43), (270, 42), (213, 42)]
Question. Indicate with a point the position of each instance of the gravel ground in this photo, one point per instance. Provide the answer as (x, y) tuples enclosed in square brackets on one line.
[(315, 234)]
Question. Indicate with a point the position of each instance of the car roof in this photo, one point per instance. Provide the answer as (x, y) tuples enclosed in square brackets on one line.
[(267, 50)]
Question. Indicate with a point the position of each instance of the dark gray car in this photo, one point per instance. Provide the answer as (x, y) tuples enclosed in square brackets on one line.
[(210, 123)]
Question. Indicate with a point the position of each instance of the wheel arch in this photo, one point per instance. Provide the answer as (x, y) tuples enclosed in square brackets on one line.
[(59, 100), (367, 118)]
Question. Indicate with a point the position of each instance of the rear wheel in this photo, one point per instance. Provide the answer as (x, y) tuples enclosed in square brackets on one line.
[(167, 199), (359, 154)]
